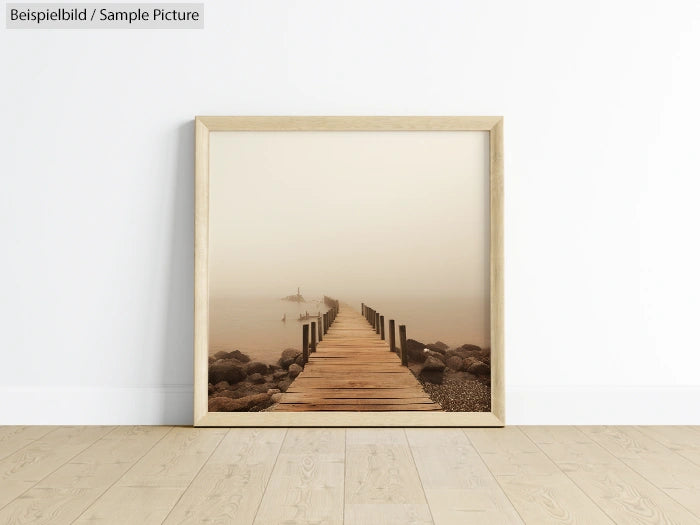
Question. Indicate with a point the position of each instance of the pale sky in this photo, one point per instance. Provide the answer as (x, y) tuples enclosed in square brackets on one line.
[(349, 213)]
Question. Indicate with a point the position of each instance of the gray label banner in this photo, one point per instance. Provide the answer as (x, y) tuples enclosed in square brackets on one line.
[(104, 16)]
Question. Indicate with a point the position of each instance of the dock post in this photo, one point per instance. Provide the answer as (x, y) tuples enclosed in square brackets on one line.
[(381, 327), (325, 324), (313, 337), (392, 336), (305, 343), (320, 329), (402, 338), (363, 309), (376, 322)]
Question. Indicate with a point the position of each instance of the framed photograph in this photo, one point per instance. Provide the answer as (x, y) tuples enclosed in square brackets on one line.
[(349, 271)]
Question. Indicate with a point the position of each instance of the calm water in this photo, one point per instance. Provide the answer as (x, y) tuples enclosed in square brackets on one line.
[(254, 325)]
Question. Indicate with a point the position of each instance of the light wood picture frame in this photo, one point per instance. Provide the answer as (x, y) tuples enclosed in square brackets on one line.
[(205, 145)]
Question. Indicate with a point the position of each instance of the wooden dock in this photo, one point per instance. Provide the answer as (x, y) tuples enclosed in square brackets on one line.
[(353, 369)]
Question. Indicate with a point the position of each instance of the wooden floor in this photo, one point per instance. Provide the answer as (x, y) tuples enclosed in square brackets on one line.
[(538, 475), (353, 369)]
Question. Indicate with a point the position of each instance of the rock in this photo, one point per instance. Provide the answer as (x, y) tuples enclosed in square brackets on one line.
[(284, 385), (272, 391), (222, 404), (474, 366), (279, 374), (299, 360), (435, 355), (222, 385), (274, 368), (226, 370), (276, 398), (256, 367), (236, 354), (414, 349), (454, 362), (294, 370), (433, 364), (465, 351), (211, 359), (432, 370), (211, 389), (256, 378), (440, 346), (225, 404), (229, 394), (288, 357)]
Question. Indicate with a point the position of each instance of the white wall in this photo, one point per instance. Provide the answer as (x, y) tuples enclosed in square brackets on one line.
[(602, 163)]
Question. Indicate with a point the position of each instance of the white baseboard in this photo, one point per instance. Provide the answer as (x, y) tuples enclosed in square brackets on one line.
[(172, 405), (598, 405), (150, 405)]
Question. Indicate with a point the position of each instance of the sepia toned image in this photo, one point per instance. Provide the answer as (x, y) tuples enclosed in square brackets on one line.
[(348, 271)]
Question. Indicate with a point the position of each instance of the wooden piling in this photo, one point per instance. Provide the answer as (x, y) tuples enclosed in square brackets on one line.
[(381, 327), (320, 329), (312, 347), (325, 324), (305, 343), (392, 336), (402, 338), (376, 322)]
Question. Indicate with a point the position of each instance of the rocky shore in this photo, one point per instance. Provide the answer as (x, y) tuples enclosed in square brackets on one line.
[(238, 384), (459, 379)]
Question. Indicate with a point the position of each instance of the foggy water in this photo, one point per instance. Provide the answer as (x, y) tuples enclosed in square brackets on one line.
[(253, 325)]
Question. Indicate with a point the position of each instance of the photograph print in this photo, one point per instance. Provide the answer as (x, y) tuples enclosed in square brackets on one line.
[(349, 271)]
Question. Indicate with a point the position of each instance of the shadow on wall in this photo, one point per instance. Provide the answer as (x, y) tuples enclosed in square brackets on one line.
[(178, 326)]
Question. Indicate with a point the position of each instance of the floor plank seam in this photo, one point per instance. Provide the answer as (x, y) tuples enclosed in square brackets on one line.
[(58, 467), (195, 475), (345, 467), (495, 479), (30, 443), (272, 470), (420, 480), (120, 477), (567, 475), (641, 429), (641, 475)]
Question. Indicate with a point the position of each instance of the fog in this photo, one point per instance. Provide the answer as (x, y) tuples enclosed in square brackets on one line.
[(355, 215)]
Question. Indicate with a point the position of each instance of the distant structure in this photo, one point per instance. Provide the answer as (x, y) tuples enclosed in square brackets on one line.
[(298, 298), (284, 318)]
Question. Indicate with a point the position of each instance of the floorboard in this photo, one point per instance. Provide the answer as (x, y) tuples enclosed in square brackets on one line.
[(623, 494), (374, 476)]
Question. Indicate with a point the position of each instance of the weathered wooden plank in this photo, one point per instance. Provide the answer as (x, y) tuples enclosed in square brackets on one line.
[(297, 407), (352, 357), (353, 401)]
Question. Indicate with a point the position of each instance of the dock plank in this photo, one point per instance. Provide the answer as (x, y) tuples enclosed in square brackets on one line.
[(353, 369)]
